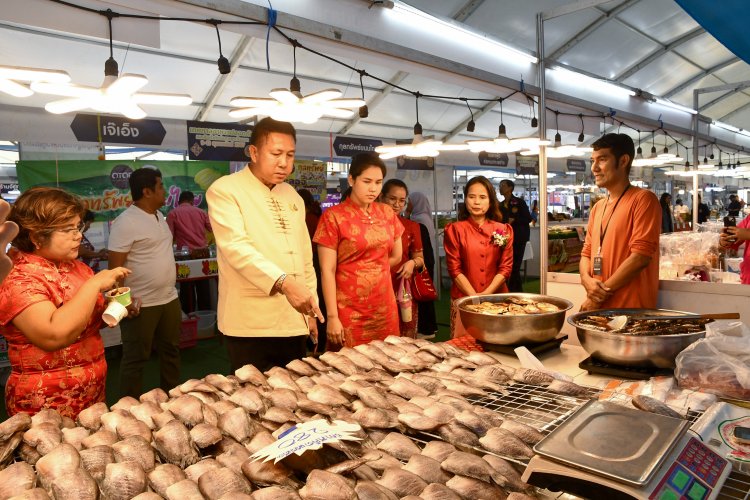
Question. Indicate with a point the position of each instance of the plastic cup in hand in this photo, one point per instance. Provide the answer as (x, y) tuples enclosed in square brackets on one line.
[(114, 312), (121, 295)]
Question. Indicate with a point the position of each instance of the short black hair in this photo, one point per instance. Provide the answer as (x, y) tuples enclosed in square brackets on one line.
[(620, 144), (509, 183), (394, 183), (186, 196), (88, 216), (363, 161), (679, 201), (143, 178), (270, 126)]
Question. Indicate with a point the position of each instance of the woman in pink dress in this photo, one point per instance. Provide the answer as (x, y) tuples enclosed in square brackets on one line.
[(394, 194), (478, 248), (357, 248), (51, 307)]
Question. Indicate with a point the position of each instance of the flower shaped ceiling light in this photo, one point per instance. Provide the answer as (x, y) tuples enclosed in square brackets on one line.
[(11, 75), (116, 95), (291, 106)]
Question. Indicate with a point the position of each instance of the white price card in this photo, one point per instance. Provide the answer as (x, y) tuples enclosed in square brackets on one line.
[(308, 436)]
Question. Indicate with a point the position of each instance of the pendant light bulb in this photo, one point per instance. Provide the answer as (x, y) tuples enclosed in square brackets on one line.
[(501, 133), (111, 68), (224, 67), (294, 85), (711, 156), (558, 140), (363, 111), (639, 153), (471, 126), (581, 137), (534, 122), (417, 129)]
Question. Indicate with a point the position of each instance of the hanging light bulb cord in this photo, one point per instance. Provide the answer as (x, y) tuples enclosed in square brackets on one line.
[(271, 23)]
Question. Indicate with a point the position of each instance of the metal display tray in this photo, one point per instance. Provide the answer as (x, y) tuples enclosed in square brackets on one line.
[(623, 444)]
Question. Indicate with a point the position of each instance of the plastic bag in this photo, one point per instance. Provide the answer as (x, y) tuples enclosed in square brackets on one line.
[(719, 364), (403, 297)]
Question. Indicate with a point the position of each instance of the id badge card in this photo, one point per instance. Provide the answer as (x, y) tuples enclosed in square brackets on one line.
[(598, 265)]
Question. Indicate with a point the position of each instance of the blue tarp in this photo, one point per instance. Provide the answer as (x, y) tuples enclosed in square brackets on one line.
[(726, 20)]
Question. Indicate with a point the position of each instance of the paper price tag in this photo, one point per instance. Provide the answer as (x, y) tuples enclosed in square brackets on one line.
[(307, 436)]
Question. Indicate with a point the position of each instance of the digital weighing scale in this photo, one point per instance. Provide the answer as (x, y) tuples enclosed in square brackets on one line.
[(608, 451)]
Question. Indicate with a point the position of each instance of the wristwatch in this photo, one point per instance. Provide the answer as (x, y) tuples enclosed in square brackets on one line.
[(279, 283)]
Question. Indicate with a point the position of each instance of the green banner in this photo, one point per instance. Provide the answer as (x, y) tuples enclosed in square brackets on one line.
[(103, 185)]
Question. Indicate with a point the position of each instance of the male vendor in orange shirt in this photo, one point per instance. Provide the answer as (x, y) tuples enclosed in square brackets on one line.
[(620, 258)]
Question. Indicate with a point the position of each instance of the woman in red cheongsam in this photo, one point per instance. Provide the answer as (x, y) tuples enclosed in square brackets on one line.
[(394, 194), (51, 307), (357, 248), (478, 248)]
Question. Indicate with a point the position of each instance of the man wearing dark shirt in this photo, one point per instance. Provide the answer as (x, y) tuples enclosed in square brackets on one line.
[(734, 206), (516, 213)]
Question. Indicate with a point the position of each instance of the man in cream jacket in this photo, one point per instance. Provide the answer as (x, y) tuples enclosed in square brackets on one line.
[(267, 286)]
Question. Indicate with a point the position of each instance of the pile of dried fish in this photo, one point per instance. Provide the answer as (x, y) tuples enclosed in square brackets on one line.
[(513, 306), (196, 441)]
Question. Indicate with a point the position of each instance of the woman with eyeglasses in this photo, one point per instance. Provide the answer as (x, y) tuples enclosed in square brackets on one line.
[(395, 195), (51, 309)]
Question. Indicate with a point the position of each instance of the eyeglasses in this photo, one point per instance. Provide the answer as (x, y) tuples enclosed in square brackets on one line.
[(71, 231), (392, 200)]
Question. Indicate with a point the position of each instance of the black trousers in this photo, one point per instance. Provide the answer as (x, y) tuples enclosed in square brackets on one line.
[(264, 352), (195, 295), (515, 283)]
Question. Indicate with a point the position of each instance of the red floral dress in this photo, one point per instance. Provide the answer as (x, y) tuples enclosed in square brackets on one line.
[(363, 243), (70, 379), (411, 242)]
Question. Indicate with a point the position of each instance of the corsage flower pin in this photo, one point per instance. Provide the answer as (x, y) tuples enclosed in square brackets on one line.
[(499, 238)]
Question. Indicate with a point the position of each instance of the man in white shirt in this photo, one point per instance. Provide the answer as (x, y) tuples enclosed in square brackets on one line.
[(140, 239), (681, 212), (267, 285)]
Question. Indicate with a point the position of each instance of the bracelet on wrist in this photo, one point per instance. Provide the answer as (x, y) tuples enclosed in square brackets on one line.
[(277, 287)]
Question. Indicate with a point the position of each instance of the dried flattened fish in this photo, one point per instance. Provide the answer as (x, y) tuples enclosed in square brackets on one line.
[(123, 481), (124, 403), (525, 433), (406, 388), (427, 468), (174, 444), (374, 418), (568, 389), (398, 445), (532, 377), (135, 449), (359, 359), (505, 443), (438, 450), (402, 482), (457, 434), (77, 486), (467, 464), (156, 396), (218, 482), (418, 421), (16, 423), (504, 471), (16, 478), (275, 493), (339, 362), (327, 395), (184, 490), (43, 437), (370, 490), (380, 460), (322, 485), (205, 435), (652, 405), (468, 487), (248, 398), (249, 374), (473, 422), (96, 459), (163, 476), (436, 491)]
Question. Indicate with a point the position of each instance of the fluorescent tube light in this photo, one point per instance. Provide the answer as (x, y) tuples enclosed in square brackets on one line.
[(587, 82)]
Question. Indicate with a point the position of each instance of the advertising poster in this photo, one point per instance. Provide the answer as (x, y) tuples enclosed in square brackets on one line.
[(310, 175), (218, 141), (103, 185)]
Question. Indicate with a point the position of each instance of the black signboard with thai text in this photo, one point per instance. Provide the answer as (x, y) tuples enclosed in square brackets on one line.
[(117, 129), (218, 141)]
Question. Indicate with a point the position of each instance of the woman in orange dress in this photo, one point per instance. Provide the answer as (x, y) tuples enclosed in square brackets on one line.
[(51, 307), (478, 248), (394, 194), (357, 248)]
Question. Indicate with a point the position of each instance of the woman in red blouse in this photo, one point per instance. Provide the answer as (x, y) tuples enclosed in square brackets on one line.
[(478, 248), (357, 248), (394, 194), (51, 307)]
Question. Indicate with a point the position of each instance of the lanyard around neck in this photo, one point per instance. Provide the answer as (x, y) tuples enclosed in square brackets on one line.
[(603, 232)]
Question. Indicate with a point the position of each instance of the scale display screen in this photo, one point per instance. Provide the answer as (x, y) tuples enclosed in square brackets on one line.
[(693, 476)]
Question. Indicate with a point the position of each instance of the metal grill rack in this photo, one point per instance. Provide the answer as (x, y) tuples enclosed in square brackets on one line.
[(737, 486)]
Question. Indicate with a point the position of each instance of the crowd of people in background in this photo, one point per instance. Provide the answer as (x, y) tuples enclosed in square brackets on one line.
[(292, 278)]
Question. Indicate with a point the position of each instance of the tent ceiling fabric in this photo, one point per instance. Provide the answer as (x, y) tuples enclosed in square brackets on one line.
[(653, 45), (726, 21)]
